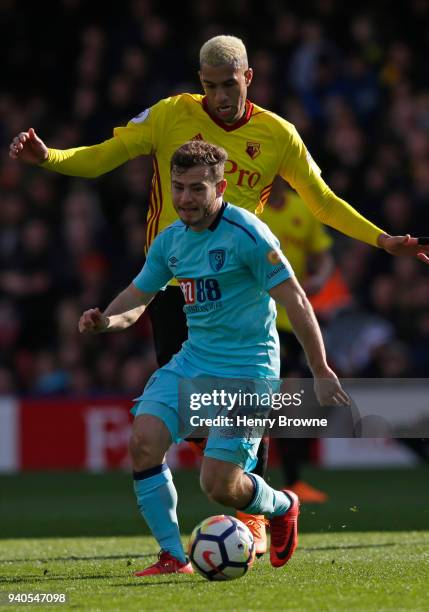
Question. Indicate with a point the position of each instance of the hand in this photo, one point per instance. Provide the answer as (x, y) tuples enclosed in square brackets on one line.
[(28, 147), (93, 322), (329, 391), (404, 245)]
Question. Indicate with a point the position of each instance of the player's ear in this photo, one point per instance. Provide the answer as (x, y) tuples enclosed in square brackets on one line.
[(248, 76), (221, 187)]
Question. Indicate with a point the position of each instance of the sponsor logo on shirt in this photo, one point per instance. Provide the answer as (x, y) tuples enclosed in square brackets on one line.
[(276, 270), (197, 137), (274, 257), (173, 261), (187, 286), (200, 290), (141, 116), (217, 259), (240, 176), (208, 307), (253, 149)]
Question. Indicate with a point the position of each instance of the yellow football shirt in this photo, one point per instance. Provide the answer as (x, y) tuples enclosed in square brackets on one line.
[(256, 148), (300, 235), (260, 146)]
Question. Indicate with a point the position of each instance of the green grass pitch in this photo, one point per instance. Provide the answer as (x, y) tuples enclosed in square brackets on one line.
[(80, 534)]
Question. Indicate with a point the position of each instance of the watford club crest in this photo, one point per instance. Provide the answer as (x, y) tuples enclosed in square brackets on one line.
[(253, 149), (216, 259)]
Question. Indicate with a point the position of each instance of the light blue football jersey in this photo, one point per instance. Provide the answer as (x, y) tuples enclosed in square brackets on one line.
[(225, 273)]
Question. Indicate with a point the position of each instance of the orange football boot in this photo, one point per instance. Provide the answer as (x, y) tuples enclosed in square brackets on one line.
[(256, 524), (197, 444)]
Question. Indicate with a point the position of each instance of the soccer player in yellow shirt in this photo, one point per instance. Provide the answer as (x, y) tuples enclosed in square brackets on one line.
[(260, 145)]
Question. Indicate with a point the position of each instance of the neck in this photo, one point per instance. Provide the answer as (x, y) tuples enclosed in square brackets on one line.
[(208, 220), (240, 115)]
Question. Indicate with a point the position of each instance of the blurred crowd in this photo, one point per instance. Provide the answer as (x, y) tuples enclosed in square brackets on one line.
[(354, 81)]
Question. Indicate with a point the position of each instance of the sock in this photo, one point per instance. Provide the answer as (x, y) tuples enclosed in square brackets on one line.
[(157, 502), (266, 500)]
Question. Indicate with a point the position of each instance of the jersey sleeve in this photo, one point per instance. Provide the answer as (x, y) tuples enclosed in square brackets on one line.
[(143, 133), (88, 162), (297, 166), (141, 136), (299, 169), (264, 258), (155, 273)]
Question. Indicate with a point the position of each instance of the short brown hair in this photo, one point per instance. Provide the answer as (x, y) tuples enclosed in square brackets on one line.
[(199, 153)]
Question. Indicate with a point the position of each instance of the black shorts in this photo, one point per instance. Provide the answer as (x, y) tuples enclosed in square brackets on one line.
[(168, 323)]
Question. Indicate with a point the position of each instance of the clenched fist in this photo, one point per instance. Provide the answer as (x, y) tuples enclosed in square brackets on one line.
[(93, 322)]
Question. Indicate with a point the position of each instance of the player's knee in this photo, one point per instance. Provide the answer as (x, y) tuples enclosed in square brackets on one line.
[(223, 496), (146, 450), (141, 453)]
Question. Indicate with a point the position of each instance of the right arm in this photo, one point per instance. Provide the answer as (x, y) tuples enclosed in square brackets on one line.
[(131, 303), (122, 312), (88, 162), (139, 137)]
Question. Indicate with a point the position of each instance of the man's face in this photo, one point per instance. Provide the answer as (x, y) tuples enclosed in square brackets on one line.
[(226, 90), (196, 197)]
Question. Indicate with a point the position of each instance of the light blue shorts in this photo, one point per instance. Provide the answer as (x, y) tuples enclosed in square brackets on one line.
[(160, 398)]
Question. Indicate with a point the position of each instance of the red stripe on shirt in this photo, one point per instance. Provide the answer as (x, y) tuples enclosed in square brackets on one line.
[(158, 181), (154, 207)]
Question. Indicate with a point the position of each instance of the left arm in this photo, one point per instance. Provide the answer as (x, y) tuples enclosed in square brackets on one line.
[(302, 173), (290, 294), (333, 211)]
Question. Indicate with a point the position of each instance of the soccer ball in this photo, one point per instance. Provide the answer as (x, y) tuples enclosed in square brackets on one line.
[(221, 548)]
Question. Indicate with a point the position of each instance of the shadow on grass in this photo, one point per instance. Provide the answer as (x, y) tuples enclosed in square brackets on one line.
[(145, 583), (38, 578), (348, 546), (357, 546), (76, 558)]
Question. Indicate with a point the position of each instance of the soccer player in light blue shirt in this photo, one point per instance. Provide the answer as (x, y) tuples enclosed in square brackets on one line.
[(230, 269), (225, 272)]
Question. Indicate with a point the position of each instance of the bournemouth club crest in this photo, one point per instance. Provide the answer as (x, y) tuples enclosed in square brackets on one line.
[(217, 259), (253, 149)]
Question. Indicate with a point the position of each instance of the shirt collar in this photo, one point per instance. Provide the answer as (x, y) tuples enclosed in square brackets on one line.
[(218, 217), (234, 126)]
